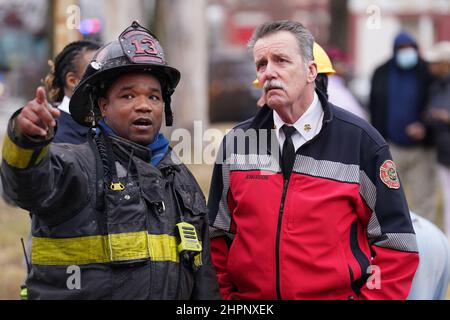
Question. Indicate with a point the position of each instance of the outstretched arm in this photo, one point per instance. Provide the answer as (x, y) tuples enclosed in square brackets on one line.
[(35, 177)]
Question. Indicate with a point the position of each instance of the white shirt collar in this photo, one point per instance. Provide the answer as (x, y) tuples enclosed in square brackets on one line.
[(64, 105), (307, 126)]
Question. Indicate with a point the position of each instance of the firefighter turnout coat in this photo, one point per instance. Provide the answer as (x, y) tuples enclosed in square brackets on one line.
[(104, 220)]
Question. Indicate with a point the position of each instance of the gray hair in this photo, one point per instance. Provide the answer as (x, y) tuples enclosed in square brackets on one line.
[(305, 39)]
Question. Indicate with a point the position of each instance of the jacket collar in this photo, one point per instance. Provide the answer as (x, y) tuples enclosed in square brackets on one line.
[(125, 147), (168, 160)]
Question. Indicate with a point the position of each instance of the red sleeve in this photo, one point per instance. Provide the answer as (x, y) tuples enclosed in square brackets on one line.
[(219, 255), (391, 276), (390, 231)]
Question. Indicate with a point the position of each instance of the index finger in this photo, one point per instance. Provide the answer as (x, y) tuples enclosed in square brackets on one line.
[(40, 96)]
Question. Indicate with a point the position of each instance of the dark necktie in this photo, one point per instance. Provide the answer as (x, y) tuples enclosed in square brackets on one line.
[(288, 153)]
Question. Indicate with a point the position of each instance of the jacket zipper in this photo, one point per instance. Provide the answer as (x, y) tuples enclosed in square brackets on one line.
[(280, 216), (277, 244), (360, 257)]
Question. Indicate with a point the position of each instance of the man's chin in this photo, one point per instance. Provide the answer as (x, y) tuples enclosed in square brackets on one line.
[(143, 140), (274, 103)]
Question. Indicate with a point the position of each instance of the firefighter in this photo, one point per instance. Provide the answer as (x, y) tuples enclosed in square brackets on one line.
[(118, 217)]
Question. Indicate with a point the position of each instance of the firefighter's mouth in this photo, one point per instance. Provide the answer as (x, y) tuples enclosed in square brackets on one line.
[(142, 123)]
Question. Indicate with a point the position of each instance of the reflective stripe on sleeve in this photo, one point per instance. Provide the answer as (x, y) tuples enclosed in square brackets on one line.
[(19, 157)]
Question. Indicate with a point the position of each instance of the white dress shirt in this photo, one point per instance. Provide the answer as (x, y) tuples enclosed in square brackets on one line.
[(64, 105), (307, 126)]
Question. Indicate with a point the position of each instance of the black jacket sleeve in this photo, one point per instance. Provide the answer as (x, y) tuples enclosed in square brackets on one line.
[(44, 178)]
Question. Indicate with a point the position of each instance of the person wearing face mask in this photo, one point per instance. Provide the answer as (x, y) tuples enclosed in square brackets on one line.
[(397, 103)]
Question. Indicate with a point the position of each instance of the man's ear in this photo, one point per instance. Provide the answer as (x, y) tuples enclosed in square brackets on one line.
[(103, 104), (311, 72)]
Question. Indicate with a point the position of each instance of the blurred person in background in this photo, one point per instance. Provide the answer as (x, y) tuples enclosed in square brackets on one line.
[(432, 277), (324, 68), (397, 104), (65, 73), (338, 92), (438, 114)]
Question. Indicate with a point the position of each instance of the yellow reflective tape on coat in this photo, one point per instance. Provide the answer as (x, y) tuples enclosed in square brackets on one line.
[(19, 157), (103, 249)]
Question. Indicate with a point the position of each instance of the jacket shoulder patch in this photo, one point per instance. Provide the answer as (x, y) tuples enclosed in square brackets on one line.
[(388, 174)]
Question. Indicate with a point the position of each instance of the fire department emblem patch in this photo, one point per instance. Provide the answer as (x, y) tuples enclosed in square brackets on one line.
[(388, 174)]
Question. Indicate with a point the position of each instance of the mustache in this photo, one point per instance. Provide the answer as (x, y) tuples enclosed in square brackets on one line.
[(274, 84)]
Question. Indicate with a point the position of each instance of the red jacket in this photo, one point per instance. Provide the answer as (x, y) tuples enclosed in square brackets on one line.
[(339, 228)]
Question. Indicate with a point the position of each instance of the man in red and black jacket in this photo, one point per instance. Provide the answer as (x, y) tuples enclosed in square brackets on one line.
[(305, 200)]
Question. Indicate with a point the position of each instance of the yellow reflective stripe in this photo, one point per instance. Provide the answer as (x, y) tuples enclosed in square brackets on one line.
[(103, 249), (19, 157), (14, 155), (42, 154), (128, 246), (68, 251), (163, 247)]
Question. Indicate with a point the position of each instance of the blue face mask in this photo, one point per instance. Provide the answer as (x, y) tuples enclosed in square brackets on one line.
[(407, 58)]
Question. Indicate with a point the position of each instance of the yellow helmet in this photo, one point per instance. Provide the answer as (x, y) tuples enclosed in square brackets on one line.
[(256, 84), (320, 57), (323, 61)]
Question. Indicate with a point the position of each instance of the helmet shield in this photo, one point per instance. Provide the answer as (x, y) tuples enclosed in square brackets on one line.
[(140, 46)]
